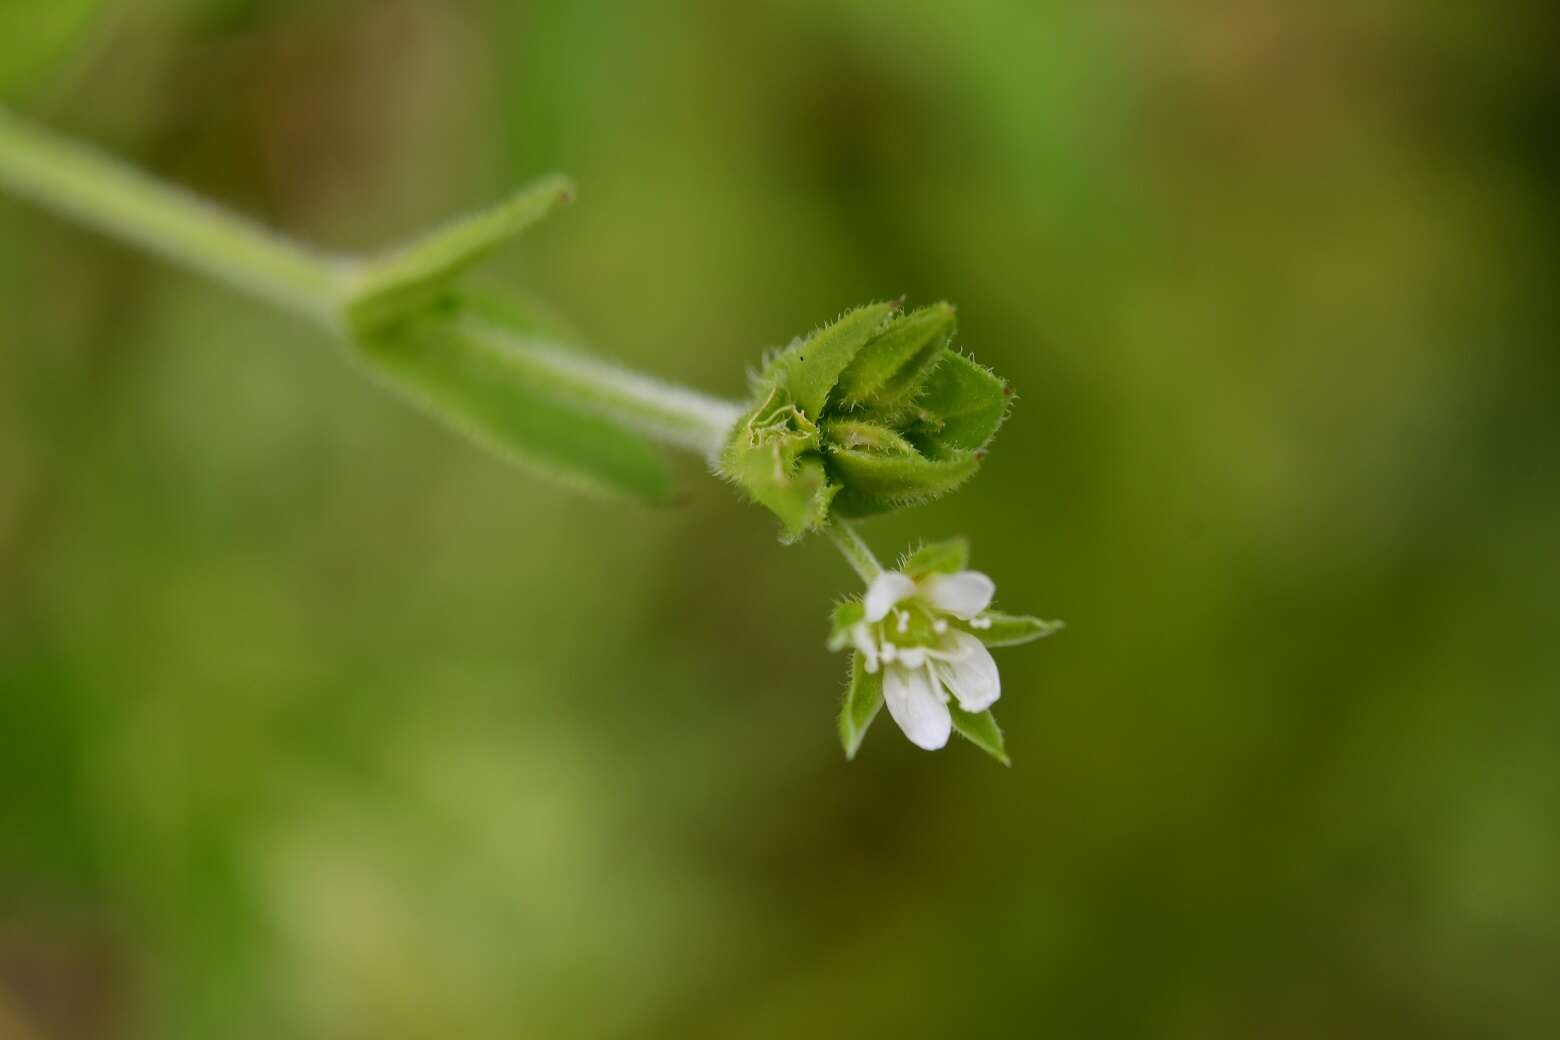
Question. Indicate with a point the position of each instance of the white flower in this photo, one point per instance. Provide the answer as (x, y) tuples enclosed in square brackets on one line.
[(907, 631)]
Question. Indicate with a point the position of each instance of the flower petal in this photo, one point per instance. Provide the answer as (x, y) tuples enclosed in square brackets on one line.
[(913, 700), (861, 636), (963, 595), (969, 672), (886, 589)]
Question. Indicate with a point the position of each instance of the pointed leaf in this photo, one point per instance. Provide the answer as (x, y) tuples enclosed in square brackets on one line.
[(813, 366), (1014, 629), (408, 278), (520, 312), (500, 393), (863, 701), (889, 368), (981, 730), (948, 557)]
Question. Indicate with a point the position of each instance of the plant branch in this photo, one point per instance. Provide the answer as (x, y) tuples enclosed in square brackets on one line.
[(350, 296), (855, 550), (119, 200)]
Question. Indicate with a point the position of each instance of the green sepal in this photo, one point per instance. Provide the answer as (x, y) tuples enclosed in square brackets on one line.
[(847, 615), (863, 701), (948, 557), (772, 456), (962, 405), (812, 367), (410, 278), (981, 730), (889, 369), (495, 391), (869, 436), (877, 482), (1014, 629), (796, 489)]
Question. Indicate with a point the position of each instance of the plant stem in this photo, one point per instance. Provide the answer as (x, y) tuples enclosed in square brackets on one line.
[(673, 415), (114, 198), (855, 550), (118, 200)]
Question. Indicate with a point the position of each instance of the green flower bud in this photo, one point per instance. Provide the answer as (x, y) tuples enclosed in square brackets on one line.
[(870, 413)]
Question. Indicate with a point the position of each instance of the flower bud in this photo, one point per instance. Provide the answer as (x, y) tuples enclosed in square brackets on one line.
[(870, 413)]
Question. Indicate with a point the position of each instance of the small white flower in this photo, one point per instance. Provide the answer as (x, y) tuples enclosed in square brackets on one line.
[(936, 659), (964, 594)]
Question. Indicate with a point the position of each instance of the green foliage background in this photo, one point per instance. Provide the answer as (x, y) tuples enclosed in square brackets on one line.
[(317, 721)]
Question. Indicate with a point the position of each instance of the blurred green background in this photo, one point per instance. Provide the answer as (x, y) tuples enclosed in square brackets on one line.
[(316, 721)]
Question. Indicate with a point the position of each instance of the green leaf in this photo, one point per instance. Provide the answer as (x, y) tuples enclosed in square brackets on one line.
[(520, 312), (982, 731), (863, 701), (502, 393), (1014, 629), (847, 616), (963, 405), (409, 278), (948, 557), (890, 368), (876, 482), (813, 366)]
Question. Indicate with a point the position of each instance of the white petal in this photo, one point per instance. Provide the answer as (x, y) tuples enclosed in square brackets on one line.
[(861, 635), (887, 589), (913, 700), (963, 595), (969, 672)]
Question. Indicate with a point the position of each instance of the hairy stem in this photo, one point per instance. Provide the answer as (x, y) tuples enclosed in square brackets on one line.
[(342, 293), (118, 200), (671, 414), (855, 550)]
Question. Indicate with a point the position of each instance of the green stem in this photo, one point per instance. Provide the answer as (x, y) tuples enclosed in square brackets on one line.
[(673, 415), (345, 294), (118, 200), (855, 550)]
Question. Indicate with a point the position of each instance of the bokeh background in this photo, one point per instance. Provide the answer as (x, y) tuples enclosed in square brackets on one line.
[(316, 721)]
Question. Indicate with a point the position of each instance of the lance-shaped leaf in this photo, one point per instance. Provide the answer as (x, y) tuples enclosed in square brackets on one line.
[(520, 312), (863, 701), (962, 405), (1014, 629), (948, 557), (876, 482), (981, 730), (410, 277), (505, 393), (812, 367), (889, 370)]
